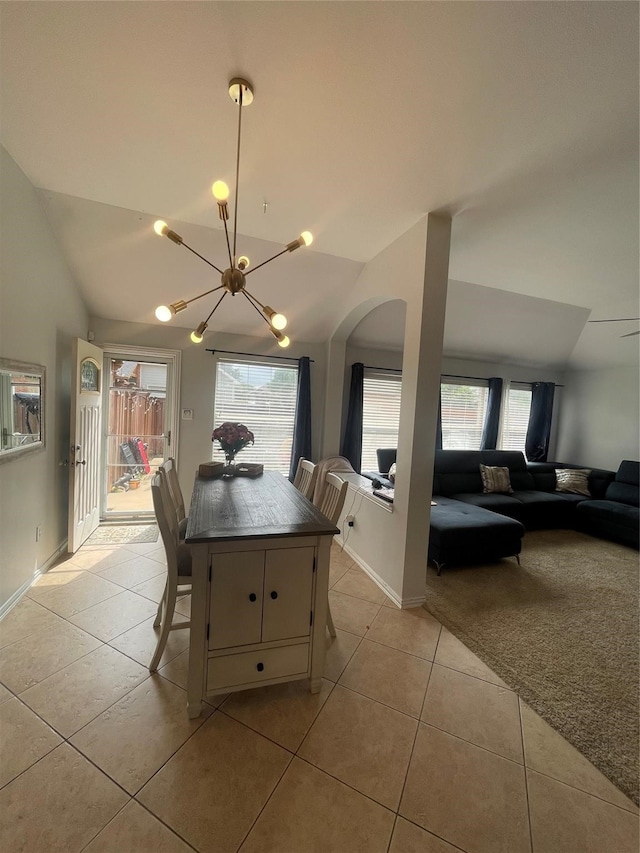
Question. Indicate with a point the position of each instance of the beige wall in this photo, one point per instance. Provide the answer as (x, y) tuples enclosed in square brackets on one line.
[(599, 419), (41, 311)]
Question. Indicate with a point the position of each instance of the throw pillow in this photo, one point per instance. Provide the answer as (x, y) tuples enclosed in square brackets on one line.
[(574, 480), (392, 473), (495, 479)]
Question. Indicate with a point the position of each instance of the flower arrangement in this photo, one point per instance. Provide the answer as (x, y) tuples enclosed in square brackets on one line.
[(232, 438)]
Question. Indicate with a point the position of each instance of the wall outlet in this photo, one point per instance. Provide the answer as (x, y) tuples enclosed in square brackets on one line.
[(38, 533), (350, 519)]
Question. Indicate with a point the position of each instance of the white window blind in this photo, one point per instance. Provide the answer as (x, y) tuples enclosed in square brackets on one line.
[(463, 409), (515, 419), (380, 416), (263, 398)]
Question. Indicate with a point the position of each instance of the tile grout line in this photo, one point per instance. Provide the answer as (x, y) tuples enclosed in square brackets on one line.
[(525, 774)]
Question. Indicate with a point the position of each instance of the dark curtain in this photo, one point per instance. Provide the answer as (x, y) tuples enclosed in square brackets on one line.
[(536, 445), (439, 424), (489, 439), (302, 423), (352, 441)]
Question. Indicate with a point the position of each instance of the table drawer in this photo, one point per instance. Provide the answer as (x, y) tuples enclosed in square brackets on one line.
[(250, 667)]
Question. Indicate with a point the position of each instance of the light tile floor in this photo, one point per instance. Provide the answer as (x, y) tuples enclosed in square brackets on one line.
[(412, 746)]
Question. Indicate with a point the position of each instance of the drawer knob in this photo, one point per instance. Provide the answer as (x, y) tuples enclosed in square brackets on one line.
[(253, 596), (259, 667), (274, 595)]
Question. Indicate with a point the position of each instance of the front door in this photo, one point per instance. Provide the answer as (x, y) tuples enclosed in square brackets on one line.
[(85, 450), (139, 428)]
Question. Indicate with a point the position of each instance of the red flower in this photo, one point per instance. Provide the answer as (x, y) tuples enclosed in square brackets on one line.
[(232, 437)]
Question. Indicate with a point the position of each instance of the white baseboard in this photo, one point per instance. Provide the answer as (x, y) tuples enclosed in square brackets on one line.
[(402, 603), (17, 595)]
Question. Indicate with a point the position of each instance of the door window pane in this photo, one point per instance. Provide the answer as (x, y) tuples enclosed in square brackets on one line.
[(263, 398)]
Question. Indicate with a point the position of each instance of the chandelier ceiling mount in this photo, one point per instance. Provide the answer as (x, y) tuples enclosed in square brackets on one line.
[(234, 278)]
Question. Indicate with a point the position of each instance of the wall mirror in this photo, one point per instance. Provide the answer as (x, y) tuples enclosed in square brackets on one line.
[(22, 396)]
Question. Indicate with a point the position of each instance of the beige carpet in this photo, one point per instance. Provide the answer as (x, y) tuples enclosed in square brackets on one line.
[(119, 534), (562, 630)]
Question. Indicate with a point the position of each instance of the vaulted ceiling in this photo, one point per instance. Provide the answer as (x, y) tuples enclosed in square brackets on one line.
[(519, 119)]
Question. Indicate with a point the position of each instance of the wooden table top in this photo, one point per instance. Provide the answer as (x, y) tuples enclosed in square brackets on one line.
[(246, 508)]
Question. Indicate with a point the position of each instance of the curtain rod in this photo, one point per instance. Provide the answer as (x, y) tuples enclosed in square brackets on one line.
[(258, 355), (389, 369), (523, 381)]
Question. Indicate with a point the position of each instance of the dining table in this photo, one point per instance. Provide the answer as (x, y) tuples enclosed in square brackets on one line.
[(260, 556)]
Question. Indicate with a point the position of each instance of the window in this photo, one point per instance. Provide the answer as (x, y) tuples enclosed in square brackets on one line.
[(515, 418), (463, 410), (263, 397), (380, 416)]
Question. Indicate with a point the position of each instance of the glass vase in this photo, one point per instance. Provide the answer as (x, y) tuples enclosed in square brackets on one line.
[(230, 465)]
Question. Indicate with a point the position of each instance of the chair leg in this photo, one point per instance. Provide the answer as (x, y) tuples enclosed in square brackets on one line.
[(330, 625), (169, 608), (158, 618)]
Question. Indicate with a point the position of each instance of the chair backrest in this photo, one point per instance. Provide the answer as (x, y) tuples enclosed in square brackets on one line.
[(166, 518), (169, 467), (305, 479), (332, 498)]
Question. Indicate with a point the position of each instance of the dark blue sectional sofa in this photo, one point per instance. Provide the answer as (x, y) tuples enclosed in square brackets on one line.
[(470, 526)]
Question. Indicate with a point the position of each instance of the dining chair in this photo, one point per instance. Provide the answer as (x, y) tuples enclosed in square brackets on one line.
[(178, 556), (169, 467), (305, 479), (330, 504)]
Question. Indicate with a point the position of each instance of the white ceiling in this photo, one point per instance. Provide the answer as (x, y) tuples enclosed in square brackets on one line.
[(520, 119)]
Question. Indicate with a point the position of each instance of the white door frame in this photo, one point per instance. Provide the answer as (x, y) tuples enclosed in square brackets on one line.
[(173, 360)]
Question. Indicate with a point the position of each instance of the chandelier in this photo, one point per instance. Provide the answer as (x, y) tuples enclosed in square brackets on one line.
[(234, 277)]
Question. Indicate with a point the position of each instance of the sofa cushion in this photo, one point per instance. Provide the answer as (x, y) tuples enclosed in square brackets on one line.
[(461, 534), (574, 480), (392, 473), (625, 488), (386, 458), (495, 479), (623, 493), (610, 519), (503, 504)]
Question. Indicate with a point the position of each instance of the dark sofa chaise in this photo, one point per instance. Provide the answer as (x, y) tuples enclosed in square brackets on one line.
[(468, 525), (616, 516)]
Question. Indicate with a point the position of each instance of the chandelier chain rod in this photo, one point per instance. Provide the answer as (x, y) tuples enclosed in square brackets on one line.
[(226, 234), (217, 269), (235, 205), (255, 298), (248, 272)]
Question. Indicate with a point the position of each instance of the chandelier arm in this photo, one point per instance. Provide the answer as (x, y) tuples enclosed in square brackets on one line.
[(266, 262), (250, 299), (206, 293), (235, 204), (226, 234), (215, 306), (201, 258)]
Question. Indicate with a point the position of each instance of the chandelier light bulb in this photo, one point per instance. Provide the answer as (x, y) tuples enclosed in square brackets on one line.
[(283, 341), (160, 227), (307, 238), (198, 334), (164, 313), (279, 322), (243, 262), (220, 192)]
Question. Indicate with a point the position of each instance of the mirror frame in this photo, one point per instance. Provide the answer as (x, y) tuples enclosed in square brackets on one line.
[(9, 365)]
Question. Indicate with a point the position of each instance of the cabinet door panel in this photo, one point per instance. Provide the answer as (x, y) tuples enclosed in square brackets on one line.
[(288, 585), (236, 599)]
